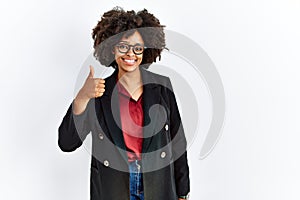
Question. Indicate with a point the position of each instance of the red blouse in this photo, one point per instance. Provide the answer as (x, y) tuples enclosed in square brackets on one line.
[(132, 116)]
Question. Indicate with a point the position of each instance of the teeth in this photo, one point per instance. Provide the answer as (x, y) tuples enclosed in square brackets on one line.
[(129, 61)]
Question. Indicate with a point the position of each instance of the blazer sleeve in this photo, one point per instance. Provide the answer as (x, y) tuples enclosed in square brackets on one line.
[(74, 128), (179, 146)]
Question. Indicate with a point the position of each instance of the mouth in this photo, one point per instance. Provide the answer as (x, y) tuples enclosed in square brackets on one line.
[(129, 61)]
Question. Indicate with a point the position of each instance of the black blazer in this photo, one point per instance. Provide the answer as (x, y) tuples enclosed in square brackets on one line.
[(164, 159)]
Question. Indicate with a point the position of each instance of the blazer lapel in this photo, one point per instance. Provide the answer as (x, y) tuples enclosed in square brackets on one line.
[(111, 112), (151, 97)]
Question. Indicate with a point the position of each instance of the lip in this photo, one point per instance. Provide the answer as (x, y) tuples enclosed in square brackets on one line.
[(129, 61)]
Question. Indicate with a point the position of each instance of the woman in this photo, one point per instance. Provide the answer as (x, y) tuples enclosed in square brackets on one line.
[(138, 143)]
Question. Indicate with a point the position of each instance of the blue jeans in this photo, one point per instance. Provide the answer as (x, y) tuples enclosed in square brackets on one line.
[(136, 181)]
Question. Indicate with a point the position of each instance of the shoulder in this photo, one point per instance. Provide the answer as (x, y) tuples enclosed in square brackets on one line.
[(156, 75), (154, 78)]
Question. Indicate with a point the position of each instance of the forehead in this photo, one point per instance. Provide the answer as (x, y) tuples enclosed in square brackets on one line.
[(134, 38)]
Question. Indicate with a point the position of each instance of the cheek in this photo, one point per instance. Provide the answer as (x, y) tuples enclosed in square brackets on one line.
[(117, 56), (140, 57)]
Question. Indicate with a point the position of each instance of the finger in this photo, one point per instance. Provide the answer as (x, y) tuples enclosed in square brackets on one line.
[(92, 72), (100, 86), (99, 89), (98, 94), (99, 80)]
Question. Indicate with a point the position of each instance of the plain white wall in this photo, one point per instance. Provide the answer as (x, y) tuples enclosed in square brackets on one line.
[(254, 44)]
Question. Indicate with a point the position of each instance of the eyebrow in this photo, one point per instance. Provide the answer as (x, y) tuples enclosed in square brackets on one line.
[(129, 44)]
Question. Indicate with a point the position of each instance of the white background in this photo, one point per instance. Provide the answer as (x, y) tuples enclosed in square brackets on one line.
[(254, 44)]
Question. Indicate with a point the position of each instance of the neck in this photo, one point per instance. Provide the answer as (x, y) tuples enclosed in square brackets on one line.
[(130, 80)]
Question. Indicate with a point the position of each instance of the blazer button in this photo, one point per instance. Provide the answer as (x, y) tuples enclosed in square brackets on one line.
[(163, 154), (166, 127), (106, 163), (101, 136)]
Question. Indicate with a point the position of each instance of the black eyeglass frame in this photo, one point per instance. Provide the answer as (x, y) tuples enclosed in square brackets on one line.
[(130, 46)]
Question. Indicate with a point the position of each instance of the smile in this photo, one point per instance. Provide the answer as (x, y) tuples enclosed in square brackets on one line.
[(129, 61)]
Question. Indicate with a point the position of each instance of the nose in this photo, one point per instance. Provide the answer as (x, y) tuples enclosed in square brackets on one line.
[(130, 51)]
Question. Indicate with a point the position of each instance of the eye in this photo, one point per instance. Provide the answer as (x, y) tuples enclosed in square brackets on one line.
[(138, 48), (123, 47)]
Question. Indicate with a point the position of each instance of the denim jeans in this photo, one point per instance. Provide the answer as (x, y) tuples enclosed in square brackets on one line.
[(136, 181)]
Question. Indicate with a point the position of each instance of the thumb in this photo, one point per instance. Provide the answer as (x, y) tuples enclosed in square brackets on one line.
[(92, 72)]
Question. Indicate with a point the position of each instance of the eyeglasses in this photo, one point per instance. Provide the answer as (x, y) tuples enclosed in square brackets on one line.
[(138, 49)]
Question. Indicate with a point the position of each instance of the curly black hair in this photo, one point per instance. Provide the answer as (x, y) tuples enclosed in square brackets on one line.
[(116, 23)]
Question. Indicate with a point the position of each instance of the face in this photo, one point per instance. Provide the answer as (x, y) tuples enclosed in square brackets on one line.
[(129, 61)]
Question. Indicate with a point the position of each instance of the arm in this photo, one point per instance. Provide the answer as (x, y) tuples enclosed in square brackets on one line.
[(75, 125), (73, 129)]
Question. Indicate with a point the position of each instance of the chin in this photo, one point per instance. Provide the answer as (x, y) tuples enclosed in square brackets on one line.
[(129, 68)]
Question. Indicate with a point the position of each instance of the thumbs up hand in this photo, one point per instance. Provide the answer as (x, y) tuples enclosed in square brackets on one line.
[(92, 88)]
